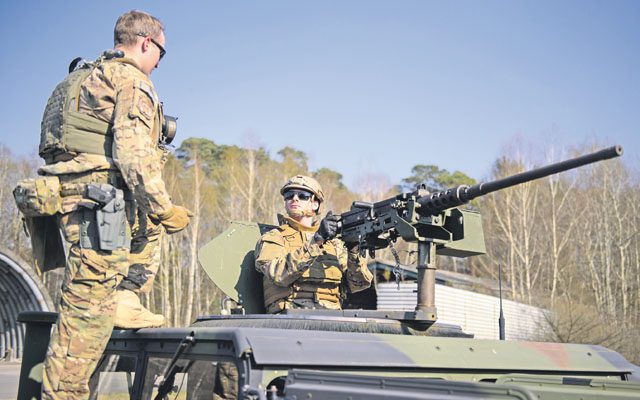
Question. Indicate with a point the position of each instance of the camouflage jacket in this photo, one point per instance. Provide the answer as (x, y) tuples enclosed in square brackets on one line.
[(295, 269), (119, 93)]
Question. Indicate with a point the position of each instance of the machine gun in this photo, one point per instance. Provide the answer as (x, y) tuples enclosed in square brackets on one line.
[(435, 222)]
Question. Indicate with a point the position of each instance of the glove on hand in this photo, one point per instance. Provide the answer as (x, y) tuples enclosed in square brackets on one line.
[(353, 247), (328, 227), (174, 220)]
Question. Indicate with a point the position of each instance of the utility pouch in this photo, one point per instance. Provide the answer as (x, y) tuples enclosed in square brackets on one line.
[(38, 197), (46, 243), (105, 228)]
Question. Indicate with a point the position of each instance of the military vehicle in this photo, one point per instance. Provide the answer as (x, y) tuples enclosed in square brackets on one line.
[(352, 353)]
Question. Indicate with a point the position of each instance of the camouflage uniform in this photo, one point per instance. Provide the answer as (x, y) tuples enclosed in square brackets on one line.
[(298, 274), (144, 258), (119, 93)]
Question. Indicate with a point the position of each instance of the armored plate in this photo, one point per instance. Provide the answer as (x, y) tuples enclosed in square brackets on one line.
[(472, 242), (229, 261)]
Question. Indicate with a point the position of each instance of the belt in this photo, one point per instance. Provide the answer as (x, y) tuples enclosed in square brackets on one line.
[(76, 184)]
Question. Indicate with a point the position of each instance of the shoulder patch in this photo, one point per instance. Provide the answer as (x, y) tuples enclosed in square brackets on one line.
[(145, 106), (145, 102)]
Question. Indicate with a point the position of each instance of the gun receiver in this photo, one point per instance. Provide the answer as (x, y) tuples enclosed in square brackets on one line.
[(436, 224)]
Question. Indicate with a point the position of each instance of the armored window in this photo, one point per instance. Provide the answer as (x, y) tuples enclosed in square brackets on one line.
[(113, 378), (194, 379)]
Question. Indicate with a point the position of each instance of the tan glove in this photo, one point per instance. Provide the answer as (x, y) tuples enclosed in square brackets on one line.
[(174, 220)]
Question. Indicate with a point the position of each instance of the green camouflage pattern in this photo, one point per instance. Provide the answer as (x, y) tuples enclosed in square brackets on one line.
[(381, 364)]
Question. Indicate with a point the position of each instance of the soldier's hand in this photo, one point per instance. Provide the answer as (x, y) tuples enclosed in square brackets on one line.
[(174, 220), (328, 227), (353, 247)]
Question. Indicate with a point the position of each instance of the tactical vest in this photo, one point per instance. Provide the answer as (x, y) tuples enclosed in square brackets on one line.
[(65, 130), (320, 282)]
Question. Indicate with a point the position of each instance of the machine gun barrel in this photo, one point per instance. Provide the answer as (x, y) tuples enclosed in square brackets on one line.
[(435, 203)]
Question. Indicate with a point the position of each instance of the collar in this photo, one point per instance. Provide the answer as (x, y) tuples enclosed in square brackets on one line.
[(128, 61), (285, 220), (118, 56)]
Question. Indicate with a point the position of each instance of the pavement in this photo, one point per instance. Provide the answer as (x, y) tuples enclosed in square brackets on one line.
[(9, 377)]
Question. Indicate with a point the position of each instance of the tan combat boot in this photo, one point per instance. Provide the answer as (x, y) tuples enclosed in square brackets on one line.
[(131, 314)]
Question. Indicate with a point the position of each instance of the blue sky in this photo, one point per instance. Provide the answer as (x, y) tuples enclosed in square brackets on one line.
[(363, 87)]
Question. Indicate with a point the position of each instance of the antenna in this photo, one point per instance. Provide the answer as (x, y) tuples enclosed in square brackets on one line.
[(501, 319)]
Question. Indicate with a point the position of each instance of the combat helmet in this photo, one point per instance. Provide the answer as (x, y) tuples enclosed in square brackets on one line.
[(304, 183)]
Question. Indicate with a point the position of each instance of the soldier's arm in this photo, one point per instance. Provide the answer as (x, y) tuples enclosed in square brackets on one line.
[(358, 275), (135, 151), (277, 265)]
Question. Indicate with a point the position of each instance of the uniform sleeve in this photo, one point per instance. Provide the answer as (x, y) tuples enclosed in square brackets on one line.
[(358, 275), (277, 265), (135, 153)]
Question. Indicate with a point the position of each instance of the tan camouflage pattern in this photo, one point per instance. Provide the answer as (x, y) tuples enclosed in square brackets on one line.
[(144, 257), (116, 91), (225, 386), (175, 220), (85, 321), (136, 129), (306, 183), (38, 197), (301, 274)]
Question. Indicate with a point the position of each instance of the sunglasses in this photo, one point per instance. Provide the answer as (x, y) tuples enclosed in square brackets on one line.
[(304, 196), (162, 50)]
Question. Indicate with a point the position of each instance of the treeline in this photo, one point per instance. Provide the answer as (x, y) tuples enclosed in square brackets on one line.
[(568, 242)]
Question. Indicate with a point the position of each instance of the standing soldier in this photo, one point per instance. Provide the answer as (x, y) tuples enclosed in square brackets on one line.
[(101, 137), (301, 262)]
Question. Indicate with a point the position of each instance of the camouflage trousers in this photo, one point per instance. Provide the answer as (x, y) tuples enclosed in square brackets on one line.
[(144, 261), (85, 321), (225, 386)]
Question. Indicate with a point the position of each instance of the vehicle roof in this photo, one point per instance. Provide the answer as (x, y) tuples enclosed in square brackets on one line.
[(296, 348)]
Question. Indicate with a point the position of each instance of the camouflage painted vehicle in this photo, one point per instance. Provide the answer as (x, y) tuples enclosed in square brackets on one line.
[(349, 354)]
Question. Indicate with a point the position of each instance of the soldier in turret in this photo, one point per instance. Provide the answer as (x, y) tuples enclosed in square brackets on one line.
[(302, 264), (101, 131), (301, 261)]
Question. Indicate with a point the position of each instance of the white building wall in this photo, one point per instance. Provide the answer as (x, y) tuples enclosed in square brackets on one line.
[(476, 313)]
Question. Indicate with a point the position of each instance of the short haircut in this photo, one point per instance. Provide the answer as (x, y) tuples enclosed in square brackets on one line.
[(134, 24)]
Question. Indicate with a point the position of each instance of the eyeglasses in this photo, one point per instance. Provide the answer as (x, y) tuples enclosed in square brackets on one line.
[(162, 50), (290, 194)]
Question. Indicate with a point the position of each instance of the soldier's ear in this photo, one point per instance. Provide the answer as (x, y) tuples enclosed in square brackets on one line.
[(315, 205)]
